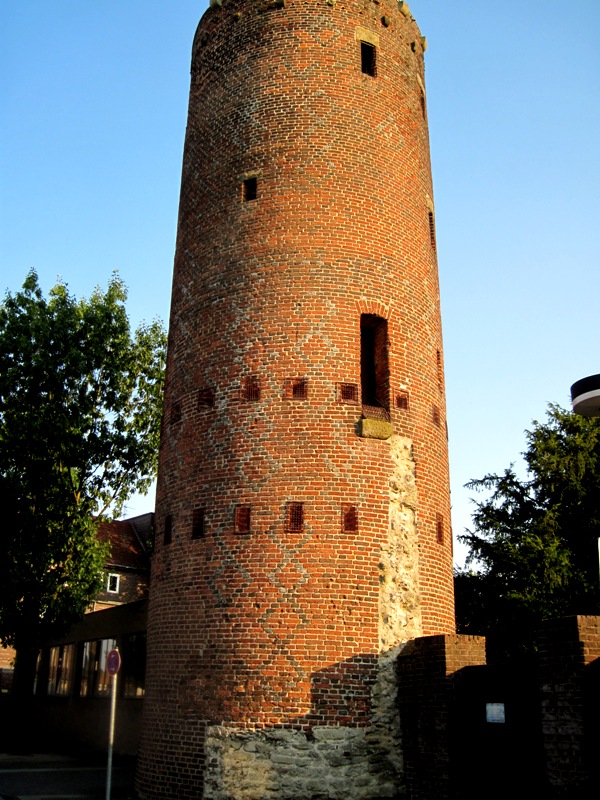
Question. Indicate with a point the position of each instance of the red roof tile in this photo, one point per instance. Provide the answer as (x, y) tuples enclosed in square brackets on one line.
[(127, 541)]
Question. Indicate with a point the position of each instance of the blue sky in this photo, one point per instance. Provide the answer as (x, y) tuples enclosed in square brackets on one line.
[(93, 101)]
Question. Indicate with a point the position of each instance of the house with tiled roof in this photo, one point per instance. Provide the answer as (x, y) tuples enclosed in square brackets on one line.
[(128, 565), (126, 579)]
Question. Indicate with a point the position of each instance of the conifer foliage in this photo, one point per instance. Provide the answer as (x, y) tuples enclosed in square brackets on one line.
[(533, 549)]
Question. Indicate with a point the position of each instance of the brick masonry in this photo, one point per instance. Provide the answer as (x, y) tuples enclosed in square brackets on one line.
[(569, 672), (426, 672), (305, 204)]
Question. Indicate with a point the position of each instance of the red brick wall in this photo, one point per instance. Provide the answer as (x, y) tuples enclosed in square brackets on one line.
[(569, 660), (275, 288), (427, 671)]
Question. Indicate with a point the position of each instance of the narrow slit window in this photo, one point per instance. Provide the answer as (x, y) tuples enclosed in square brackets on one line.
[(112, 583), (440, 370), (439, 528), (249, 189), (294, 517), (435, 414), (368, 59), (432, 230), (175, 413), (349, 518), (347, 393), (242, 519), (251, 389), (168, 530), (198, 523), (374, 367)]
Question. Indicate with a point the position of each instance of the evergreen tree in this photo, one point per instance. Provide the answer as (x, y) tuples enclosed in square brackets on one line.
[(533, 550)]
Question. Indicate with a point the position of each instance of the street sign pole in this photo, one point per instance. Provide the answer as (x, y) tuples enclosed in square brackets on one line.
[(113, 664)]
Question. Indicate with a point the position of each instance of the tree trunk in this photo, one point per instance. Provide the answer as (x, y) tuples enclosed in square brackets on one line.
[(21, 702), (25, 666)]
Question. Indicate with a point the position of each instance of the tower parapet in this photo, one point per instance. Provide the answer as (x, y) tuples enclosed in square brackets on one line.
[(303, 529)]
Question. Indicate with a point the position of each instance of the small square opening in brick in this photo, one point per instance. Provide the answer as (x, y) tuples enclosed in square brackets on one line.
[(294, 517), (347, 393), (251, 389), (242, 519), (402, 401), (295, 389)]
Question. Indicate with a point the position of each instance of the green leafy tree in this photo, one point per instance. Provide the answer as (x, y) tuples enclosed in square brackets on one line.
[(80, 406), (533, 550)]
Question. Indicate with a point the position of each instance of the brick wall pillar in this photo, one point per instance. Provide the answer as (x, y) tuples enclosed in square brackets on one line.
[(569, 653), (427, 688)]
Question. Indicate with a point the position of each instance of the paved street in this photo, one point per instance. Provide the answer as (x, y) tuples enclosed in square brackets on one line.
[(52, 777)]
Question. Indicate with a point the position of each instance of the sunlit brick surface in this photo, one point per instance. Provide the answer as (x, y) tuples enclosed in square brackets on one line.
[(305, 203)]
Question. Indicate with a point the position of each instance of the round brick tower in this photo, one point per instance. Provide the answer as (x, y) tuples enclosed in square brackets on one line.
[(302, 520)]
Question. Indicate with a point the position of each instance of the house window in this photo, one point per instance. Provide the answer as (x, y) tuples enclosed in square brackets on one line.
[(294, 517), (112, 583), (242, 519), (374, 367), (61, 667), (249, 189), (295, 389), (198, 523), (368, 59), (168, 530), (349, 518), (95, 679)]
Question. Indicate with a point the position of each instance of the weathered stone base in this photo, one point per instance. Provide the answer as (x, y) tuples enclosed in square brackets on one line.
[(331, 764)]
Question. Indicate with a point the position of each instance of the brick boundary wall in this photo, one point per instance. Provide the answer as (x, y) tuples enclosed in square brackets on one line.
[(427, 670), (569, 672)]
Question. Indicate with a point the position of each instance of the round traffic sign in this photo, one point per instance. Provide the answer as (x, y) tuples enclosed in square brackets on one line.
[(113, 662)]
